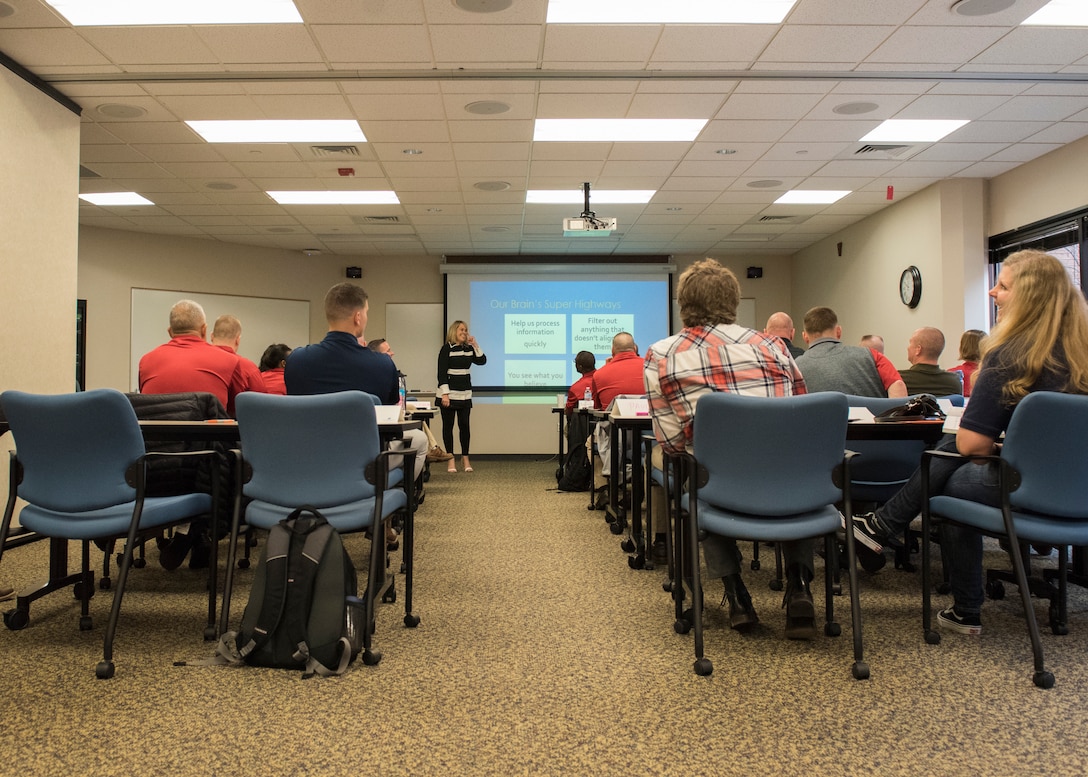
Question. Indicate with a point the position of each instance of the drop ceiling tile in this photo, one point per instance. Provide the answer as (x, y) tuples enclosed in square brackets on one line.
[(259, 43), (741, 43), (482, 152), (823, 43), (167, 45), (49, 50), (1036, 46), (457, 45), (583, 106), (347, 45)]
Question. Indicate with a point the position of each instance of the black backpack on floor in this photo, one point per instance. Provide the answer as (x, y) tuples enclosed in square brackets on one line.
[(302, 611), (577, 472)]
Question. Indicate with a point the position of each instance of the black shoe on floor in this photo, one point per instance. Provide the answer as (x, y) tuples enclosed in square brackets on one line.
[(800, 610), (742, 615), (200, 557), (173, 552), (659, 552)]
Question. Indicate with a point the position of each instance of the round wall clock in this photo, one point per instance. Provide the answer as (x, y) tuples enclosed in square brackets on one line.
[(910, 286)]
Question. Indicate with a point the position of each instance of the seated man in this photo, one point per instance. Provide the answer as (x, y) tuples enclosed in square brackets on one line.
[(188, 362), (872, 342), (227, 335), (781, 325), (340, 363), (924, 376), (621, 374), (677, 375), (586, 365), (830, 365)]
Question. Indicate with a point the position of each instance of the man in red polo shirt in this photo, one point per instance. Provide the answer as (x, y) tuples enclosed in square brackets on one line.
[(227, 335), (622, 374), (188, 362)]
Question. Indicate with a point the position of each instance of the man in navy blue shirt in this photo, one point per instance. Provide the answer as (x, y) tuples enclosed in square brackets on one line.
[(340, 363)]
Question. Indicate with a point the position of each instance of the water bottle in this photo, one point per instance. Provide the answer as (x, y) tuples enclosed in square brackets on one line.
[(588, 395), (403, 391)]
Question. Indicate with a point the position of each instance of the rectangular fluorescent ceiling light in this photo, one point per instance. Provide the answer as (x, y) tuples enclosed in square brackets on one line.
[(111, 199), (913, 130), (597, 196), (674, 12), (335, 198), (132, 13), (810, 197), (617, 130), (1060, 13), (280, 131)]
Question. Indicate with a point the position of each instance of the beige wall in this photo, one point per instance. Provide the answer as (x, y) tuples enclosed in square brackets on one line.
[(38, 205), (940, 230), (1050, 185)]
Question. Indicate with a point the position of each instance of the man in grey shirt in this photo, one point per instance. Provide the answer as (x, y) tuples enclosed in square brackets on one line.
[(830, 365)]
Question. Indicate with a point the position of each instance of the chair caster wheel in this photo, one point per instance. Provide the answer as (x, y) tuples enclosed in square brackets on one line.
[(636, 562), (860, 670), (1059, 629), (104, 584), (411, 621), (995, 590), (139, 563), (17, 619), (703, 667), (371, 657), (210, 633), (1043, 679), (104, 670), (755, 565), (390, 595), (681, 626), (775, 584), (628, 545), (616, 527), (243, 564), (933, 638), (832, 629), (666, 586), (86, 623)]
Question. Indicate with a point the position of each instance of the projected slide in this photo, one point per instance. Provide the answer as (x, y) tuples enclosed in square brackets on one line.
[(531, 330)]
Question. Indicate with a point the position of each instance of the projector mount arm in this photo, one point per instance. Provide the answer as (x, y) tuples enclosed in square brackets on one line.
[(589, 215)]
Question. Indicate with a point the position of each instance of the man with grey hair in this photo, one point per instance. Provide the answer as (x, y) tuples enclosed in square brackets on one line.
[(925, 376), (188, 362)]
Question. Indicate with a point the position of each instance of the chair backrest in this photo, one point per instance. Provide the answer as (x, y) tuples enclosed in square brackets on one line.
[(308, 450), (770, 455), (882, 466), (74, 448), (1046, 443)]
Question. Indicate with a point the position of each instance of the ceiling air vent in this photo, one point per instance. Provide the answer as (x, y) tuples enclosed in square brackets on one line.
[(376, 219), (770, 219), (887, 151), (335, 151)]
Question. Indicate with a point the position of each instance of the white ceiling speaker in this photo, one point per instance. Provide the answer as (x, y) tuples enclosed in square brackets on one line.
[(981, 7)]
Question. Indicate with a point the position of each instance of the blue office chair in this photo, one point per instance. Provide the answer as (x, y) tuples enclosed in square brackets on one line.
[(771, 469), (1040, 502), (80, 463), (323, 451)]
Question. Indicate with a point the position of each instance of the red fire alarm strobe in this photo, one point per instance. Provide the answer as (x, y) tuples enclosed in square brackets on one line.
[(346, 171)]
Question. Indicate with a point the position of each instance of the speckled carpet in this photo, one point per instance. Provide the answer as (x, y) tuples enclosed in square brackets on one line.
[(539, 652)]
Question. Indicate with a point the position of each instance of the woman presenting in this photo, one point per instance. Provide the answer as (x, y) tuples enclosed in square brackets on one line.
[(459, 353)]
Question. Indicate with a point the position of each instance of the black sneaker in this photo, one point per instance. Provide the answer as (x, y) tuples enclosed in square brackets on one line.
[(963, 624), (866, 531)]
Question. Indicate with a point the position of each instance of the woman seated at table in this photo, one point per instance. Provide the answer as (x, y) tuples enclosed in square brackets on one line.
[(1040, 343), (272, 363)]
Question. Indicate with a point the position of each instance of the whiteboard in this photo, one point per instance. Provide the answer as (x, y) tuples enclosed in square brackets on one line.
[(264, 321), (415, 332)]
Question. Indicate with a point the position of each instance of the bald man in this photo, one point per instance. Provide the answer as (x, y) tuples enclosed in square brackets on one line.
[(781, 326), (924, 351)]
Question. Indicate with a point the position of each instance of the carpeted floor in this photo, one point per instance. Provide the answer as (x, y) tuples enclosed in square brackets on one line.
[(539, 652)]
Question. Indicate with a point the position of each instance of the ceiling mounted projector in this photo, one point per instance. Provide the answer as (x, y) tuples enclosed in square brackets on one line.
[(583, 226), (588, 225)]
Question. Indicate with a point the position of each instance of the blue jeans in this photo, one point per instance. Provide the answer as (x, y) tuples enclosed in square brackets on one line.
[(961, 547)]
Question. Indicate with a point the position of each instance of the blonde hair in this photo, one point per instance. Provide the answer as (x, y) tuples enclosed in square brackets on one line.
[(969, 344), (451, 333), (1043, 311)]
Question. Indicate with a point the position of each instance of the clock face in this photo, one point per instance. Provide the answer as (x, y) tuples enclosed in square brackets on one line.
[(910, 286)]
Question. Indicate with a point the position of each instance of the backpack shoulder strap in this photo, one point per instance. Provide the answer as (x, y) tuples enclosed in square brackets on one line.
[(275, 587)]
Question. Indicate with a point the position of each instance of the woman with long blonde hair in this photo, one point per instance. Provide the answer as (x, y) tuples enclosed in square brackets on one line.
[(458, 354), (1040, 343)]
